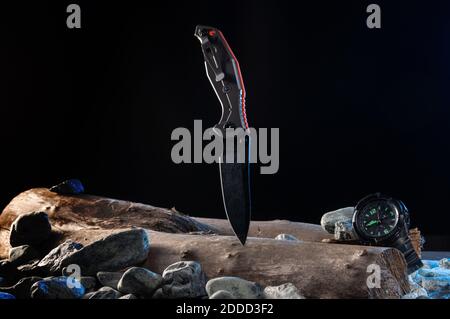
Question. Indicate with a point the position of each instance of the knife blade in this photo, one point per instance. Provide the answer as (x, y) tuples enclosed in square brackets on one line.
[(224, 74)]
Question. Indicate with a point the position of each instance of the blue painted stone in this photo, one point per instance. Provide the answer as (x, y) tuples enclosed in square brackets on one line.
[(69, 187), (4, 295), (444, 263), (435, 272), (57, 288), (430, 264)]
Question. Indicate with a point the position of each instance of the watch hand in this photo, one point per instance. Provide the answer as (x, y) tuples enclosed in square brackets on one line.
[(372, 222)]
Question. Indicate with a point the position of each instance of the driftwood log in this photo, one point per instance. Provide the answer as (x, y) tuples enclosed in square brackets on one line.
[(319, 270)]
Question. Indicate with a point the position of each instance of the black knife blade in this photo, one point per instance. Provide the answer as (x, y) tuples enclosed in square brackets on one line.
[(224, 73)]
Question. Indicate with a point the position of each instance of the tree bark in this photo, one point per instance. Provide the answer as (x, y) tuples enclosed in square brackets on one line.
[(319, 270), (270, 229), (104, 213)]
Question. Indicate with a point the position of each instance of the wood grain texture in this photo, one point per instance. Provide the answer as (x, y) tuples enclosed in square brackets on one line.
[(319, 270)]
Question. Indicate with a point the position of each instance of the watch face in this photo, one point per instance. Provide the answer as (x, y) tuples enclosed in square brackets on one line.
[(377, 219)]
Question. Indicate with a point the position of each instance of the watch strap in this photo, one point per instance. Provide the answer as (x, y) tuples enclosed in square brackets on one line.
[(404, 244)]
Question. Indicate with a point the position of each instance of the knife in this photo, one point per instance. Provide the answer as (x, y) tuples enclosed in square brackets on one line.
[(224, 73)]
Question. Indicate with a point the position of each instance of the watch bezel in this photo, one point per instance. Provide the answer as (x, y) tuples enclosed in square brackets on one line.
[(362, 204)]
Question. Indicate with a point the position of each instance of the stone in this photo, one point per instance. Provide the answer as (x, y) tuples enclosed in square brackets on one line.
[(284, 291), (415, 277), (430, 264), (416, 293), (30, 229), (158, 294), (22, 288), (140, 282), (444, 263), (109, 279), (105, 293), (30, 268), (57, 288), (437, 287), (22, 254), (184, 279), (89, 283), (434, 272), (286, 237), (222, 294), (53, 261), (69, 187), (414, 282), (436, 283), (129, 296), (4, 295), (88, 295), (343, 230), (238, 287), (7, 270), (330, 219), (112, 253)]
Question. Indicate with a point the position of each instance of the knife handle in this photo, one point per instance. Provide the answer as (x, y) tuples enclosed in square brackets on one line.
[(225, 75)]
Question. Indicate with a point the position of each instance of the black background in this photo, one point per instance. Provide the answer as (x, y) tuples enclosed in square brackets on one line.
[(359, 110)]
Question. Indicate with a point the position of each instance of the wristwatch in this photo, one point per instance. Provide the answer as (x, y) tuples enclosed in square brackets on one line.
[(383, 221)]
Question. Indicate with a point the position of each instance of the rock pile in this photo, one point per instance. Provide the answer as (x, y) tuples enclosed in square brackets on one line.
[(431, 281), (109, 268)]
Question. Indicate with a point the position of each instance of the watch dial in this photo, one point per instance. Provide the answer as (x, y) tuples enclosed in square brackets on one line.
[(377, 219)]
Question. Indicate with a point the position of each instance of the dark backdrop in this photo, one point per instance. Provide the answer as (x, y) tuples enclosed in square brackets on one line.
[(359, 110)]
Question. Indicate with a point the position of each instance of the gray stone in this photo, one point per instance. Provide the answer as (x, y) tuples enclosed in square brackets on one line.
[(184, 279), (423, 297), (109, 279), (53, 261), (28, 268), (89, 283), (57, 288), (129, 296), (140, 282), (30, 229), (105, 293), (159, 294), (22, 288), (286, 237), (444, 263), (88, 295), (343, 230), (285, 291), (8, 270), (222, 294), (112, 253), (22, 254), (238, 287), (330, 219)]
